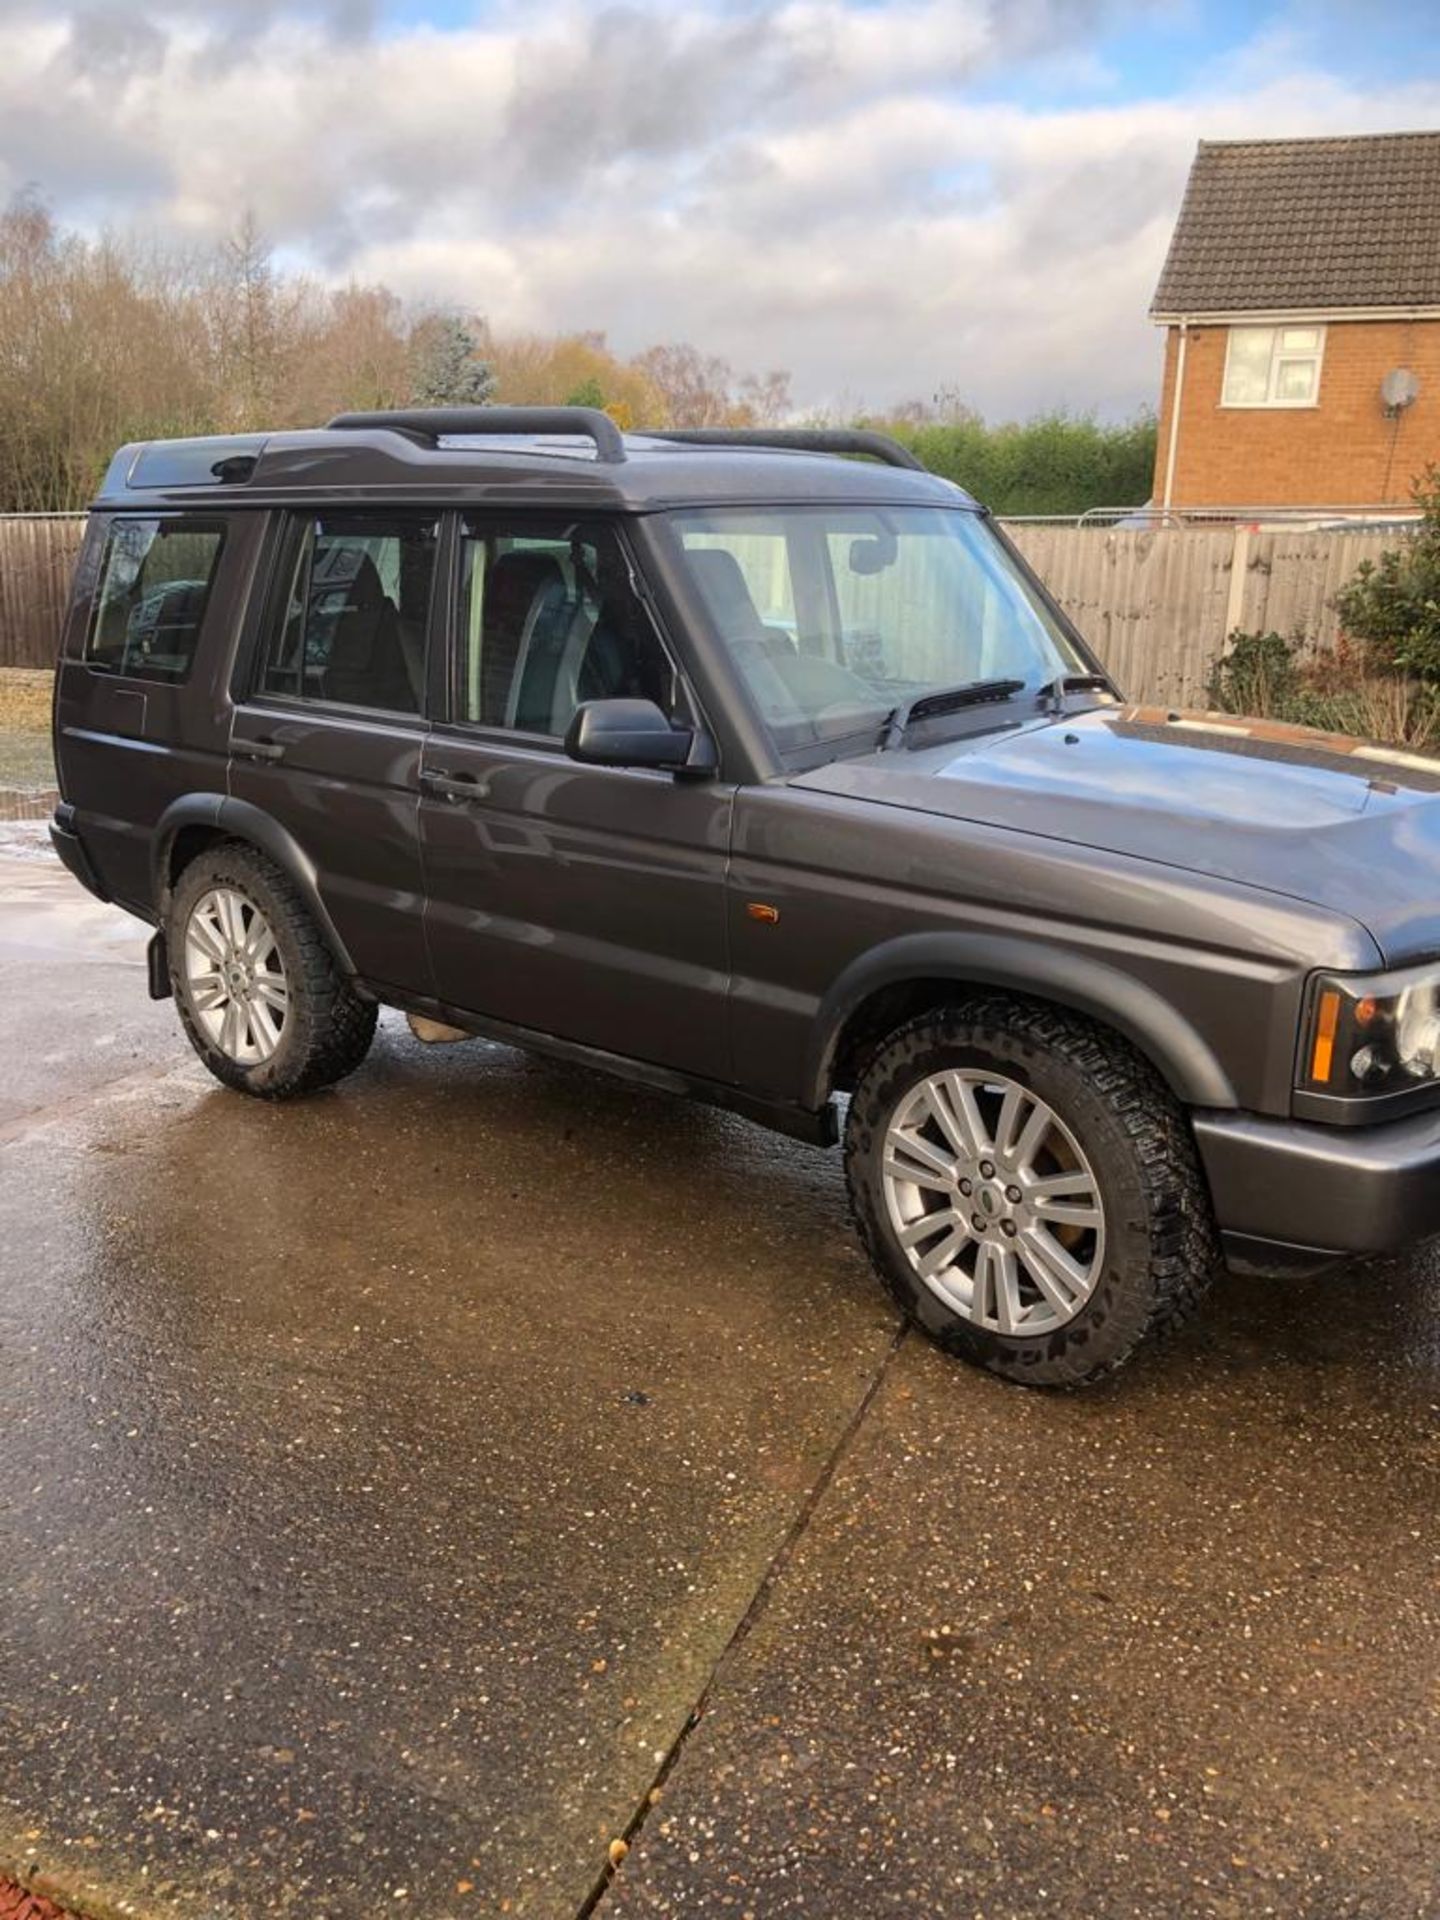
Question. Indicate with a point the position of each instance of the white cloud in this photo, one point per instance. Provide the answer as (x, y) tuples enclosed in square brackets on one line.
[(800, 183)]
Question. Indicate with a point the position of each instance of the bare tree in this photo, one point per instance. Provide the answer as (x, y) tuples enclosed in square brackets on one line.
[(701, 390), (764, 398), (694, 389), (107, 341)]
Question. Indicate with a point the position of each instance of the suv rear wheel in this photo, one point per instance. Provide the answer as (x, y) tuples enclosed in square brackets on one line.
[(1028, 1189), (260, 997)]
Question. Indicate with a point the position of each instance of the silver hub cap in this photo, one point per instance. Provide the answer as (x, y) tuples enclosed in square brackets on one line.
[(993, 1202), (235, 976)]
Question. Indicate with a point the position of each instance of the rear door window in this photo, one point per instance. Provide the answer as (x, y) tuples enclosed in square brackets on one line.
[(155, 578), (354, 608)]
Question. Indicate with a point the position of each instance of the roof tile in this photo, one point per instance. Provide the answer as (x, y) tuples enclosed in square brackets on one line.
[(1352, 221)]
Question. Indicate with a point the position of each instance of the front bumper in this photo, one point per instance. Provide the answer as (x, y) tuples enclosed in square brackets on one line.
[(1295, 1198)]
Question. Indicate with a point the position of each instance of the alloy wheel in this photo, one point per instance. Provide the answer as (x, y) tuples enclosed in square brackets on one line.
[(993, 1202), (235, 976)]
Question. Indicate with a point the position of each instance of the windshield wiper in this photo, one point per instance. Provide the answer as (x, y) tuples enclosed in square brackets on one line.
[(975, 693), (1054, 694)]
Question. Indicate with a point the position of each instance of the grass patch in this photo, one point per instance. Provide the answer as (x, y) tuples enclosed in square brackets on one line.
[(25, 758), (25, 699)]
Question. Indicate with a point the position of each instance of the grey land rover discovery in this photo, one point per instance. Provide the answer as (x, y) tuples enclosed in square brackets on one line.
[(772, 776)]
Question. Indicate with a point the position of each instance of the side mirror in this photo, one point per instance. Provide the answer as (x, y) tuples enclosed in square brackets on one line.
[(627, 733)]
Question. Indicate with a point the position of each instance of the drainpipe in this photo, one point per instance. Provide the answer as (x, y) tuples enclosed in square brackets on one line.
[(1173, 447)]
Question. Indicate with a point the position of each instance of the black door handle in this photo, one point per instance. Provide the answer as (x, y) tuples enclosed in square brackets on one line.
[(450, 786), (257, 749)]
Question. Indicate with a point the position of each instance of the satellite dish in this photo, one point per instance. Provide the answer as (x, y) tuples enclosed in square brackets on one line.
[(1399, 389)]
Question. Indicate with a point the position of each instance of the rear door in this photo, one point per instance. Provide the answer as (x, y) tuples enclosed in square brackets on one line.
[(585, 902), (139, 708), (329, 729)]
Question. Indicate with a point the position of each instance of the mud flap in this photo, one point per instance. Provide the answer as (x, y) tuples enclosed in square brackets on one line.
[(157, 967)]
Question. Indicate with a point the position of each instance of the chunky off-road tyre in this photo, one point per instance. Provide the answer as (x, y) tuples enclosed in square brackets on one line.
[(1028, 1189), (261, 999)]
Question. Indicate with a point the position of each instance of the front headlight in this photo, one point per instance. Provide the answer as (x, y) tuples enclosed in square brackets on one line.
[(1372, 1035)]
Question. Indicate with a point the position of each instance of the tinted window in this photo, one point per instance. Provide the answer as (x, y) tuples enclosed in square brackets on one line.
[(549, 620), (354, 607), (194, 463), (154, 582)]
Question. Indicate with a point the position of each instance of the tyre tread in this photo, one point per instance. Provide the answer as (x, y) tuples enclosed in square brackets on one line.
[(1184, 1255), (339, 1023)]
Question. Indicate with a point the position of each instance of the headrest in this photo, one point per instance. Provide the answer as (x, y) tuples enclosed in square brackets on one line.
[(366, 592), (515, 580), (723, 588)]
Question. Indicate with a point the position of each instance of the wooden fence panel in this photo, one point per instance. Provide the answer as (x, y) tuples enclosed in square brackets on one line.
[(1152, 604), (1159, 607), (37, 559), (1291, 580)]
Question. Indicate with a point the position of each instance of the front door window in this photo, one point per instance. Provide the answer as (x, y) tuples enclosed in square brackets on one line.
[(549, 620)]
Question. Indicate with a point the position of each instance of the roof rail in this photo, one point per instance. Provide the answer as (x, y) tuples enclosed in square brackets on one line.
[(429, 424), (879, 446)]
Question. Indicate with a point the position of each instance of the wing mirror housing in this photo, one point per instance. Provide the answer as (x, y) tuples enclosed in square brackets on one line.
[(635, 733)]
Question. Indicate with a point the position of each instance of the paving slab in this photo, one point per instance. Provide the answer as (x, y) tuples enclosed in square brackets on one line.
[(1171, 1648), (382, 1475)]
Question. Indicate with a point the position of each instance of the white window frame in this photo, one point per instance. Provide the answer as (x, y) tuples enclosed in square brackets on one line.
[(1280, 357)]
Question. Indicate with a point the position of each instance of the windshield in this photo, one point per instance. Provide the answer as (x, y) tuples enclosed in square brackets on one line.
[(836, 616)]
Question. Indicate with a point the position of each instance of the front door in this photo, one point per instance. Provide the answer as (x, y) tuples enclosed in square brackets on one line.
[(327, 739), (584, 902)]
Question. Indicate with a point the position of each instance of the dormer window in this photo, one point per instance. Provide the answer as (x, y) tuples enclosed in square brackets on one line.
[(1273, 366)]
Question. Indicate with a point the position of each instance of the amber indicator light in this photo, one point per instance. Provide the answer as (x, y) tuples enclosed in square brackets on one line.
[(1323, 1055), (762, 911)]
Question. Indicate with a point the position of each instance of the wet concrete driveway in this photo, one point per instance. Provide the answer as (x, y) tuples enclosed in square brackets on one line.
[(406, 1494)]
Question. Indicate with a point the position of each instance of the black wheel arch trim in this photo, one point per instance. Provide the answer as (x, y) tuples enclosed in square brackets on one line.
[(241, 820), (1069, 979)]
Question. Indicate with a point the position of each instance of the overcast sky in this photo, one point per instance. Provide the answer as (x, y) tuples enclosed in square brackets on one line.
[(883, 198)]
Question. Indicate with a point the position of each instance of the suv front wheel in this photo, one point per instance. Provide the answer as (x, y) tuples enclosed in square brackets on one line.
[(259, 994), (1028, 1189)]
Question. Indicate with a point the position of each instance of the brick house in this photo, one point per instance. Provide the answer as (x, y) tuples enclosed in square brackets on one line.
[(1301, 274)]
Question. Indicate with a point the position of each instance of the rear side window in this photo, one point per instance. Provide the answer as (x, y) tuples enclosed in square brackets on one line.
[(155, 580), (355, 602)]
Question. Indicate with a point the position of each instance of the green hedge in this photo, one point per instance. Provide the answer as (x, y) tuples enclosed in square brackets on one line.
[(1056, 463)]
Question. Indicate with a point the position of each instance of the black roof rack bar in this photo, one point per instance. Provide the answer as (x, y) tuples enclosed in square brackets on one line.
[(879, 446), (430, 424)]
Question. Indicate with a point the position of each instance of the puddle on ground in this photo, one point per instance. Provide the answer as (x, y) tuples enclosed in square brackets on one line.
[(25, 815), (27, 803), (26, 840)]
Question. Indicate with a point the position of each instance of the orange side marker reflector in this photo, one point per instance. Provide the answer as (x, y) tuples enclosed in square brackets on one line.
[(762, 911), (1322, 1058)]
